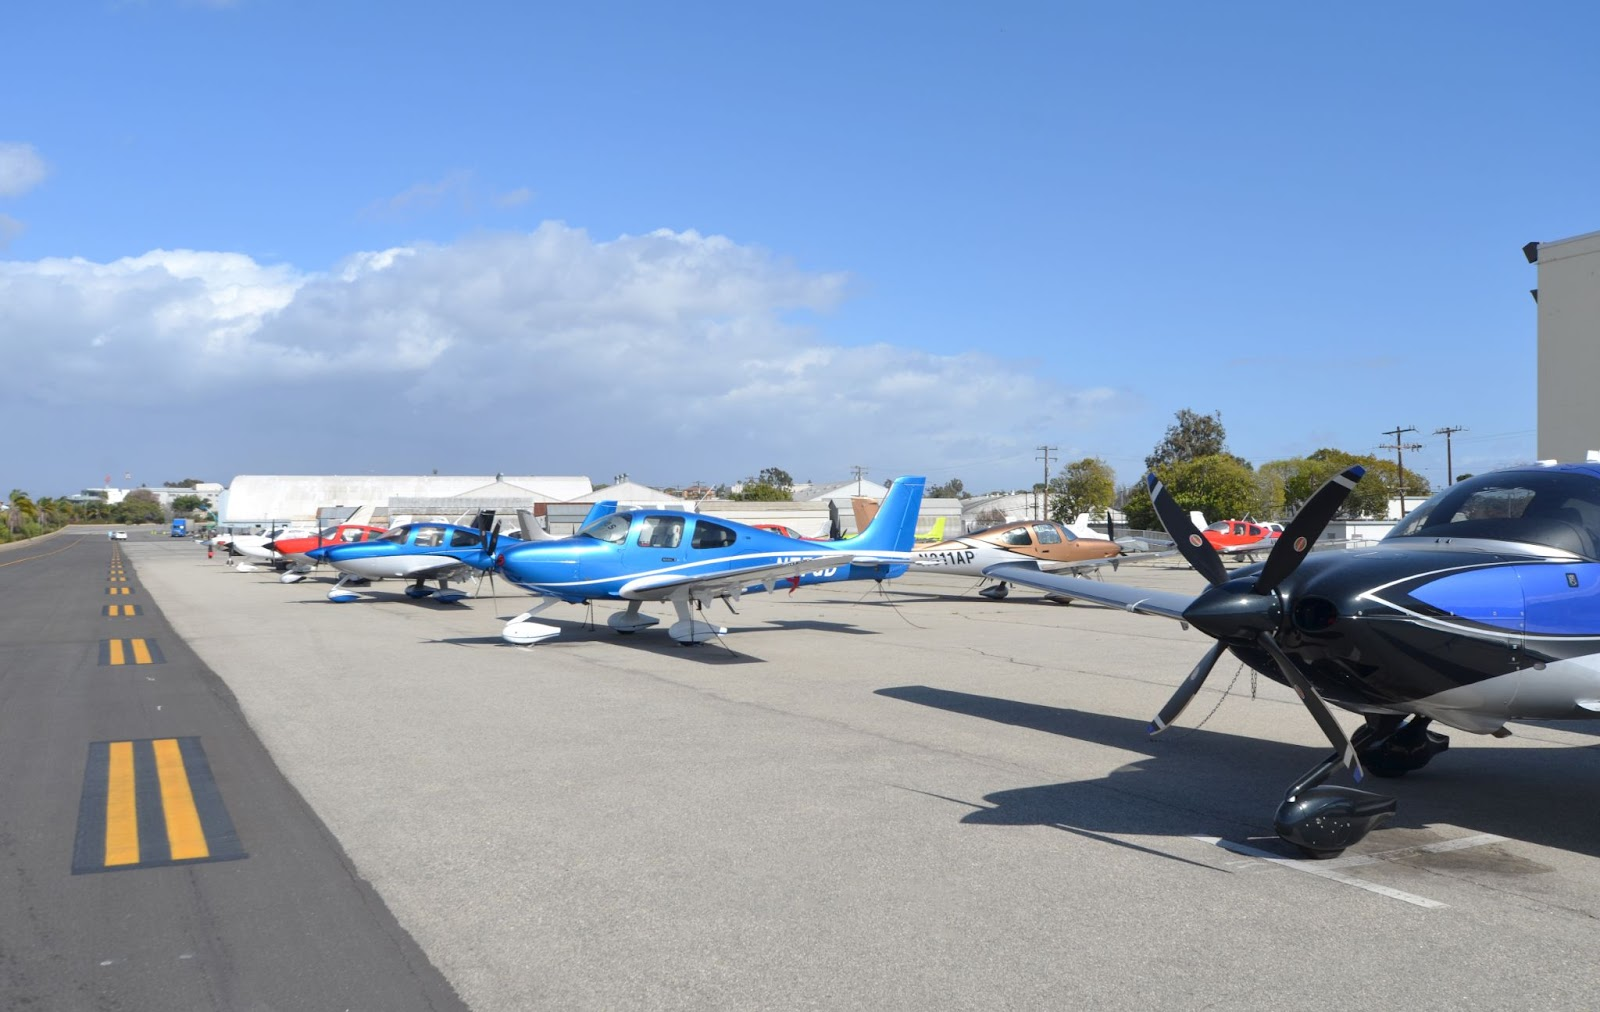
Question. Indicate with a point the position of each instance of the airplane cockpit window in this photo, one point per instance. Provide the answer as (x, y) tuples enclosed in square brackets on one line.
[(1016, 536), (428, 536), (397, 535), (1557, 509), (353, 534), (1048, 534), (661, 532), (1221, 527), (710, 535), (465, 539), (1238, 528), (612, 529)]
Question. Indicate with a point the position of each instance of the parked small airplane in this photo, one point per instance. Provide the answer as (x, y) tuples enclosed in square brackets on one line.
[(1037, 545), (419, 552), (691, 560), (1482, 606), (1237, 537), (291, 551)]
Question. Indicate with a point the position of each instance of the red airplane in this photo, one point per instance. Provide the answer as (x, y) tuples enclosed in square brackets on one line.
[(293, 550), (1238, 537)]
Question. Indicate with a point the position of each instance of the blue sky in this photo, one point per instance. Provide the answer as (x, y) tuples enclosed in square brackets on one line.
[(692, 241)]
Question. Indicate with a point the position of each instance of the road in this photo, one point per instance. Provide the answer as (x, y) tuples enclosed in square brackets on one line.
[(155, 855)]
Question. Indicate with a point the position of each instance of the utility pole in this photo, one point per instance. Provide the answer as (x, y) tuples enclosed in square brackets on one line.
[(1449, 467), (1044, 455), (860, 473), (1399, 449)]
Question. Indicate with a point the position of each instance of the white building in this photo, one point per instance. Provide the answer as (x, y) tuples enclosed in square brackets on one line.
[(258, 499), (1569, 345)]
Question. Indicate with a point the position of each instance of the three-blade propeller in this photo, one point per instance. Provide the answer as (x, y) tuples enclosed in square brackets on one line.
[(1240, 615)]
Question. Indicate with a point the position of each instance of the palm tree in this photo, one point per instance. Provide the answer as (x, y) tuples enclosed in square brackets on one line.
[(22, 507)]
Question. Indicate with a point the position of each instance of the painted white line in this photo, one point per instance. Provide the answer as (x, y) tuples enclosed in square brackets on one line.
[(1441, 847), (1321, 870)]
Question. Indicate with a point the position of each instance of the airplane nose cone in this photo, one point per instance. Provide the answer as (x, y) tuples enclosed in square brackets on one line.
[(271, 546), (1231, 613)]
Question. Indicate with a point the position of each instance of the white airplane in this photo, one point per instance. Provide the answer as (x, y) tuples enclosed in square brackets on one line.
[(1024, 546)]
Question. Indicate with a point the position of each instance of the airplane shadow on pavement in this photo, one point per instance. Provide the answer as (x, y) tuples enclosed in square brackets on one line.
[(1198, 782)]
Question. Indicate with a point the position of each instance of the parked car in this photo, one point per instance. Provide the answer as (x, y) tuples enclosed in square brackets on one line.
[(117, 535)]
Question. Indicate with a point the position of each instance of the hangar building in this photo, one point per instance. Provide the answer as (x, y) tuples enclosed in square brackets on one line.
[(261, 499), (1569, 345)]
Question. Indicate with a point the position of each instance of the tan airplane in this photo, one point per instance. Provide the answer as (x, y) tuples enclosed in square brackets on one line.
[(1020, 547)]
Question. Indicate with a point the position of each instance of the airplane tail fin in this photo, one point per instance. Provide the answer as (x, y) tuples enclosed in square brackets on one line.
[(894, 528), (604, 508), (933, 533), (865, 510), (532, 530)]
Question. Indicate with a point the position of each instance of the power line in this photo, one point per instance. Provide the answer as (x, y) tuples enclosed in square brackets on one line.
[(1044, 452), (1399, 449), (1449, 467), (860, 472)]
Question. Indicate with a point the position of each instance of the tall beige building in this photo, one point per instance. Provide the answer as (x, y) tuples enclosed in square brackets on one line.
[(1569, 346)]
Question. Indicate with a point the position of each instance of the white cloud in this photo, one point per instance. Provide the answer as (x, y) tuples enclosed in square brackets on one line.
[(670, 355), (21, 168)]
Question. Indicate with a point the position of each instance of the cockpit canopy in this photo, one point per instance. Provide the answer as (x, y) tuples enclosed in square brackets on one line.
[(1558, 509), (430, 535)]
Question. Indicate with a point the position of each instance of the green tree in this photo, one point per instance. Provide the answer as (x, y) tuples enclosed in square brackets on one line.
[(1190, 437), (777, 477), (22, 511), (189, 504), (139, 507), (1083, 486), (755, 491), (189, 483), (952, 489), (1219, 486)]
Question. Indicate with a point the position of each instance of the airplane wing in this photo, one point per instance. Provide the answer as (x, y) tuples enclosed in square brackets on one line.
[(1165, 603), (730, 582), (1265, 544), (452, 569)]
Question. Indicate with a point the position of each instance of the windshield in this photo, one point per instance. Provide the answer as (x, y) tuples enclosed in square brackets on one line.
[(397, 535), (1558, 509), (612, 529)]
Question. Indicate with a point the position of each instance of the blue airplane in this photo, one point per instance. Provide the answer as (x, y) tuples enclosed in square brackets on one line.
[(691, 560), (1482, 606), (423, 551)]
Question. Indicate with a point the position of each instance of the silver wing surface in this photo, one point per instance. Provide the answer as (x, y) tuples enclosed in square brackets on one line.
[(1165, 603)]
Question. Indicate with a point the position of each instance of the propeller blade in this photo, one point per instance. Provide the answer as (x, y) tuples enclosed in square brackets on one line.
[(491, 540), (1196, 550), (1319, 709), (1303, 531), (835, 528), (1186, 691)]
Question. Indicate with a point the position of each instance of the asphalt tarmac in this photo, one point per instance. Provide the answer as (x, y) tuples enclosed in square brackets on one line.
[(212, 885), (918, 799)]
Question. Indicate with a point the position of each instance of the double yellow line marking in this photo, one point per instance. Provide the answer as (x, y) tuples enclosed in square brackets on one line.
[(149, 803), (121, 610), (114, 653)]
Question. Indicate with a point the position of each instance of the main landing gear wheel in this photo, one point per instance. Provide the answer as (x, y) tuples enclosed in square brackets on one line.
[(996, 593)]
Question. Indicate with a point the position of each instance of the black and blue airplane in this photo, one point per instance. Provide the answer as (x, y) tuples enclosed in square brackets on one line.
[(691, 560), (1481, 606)]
